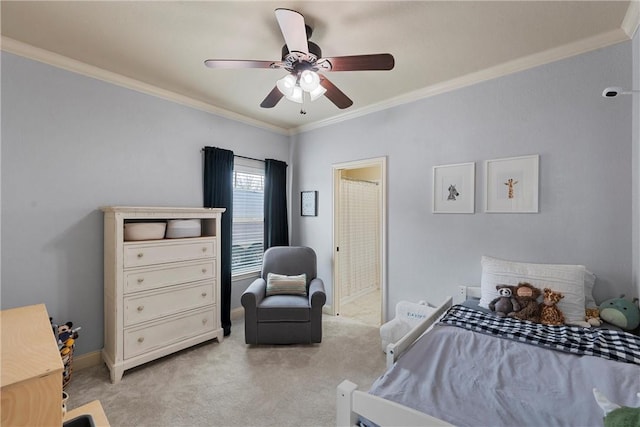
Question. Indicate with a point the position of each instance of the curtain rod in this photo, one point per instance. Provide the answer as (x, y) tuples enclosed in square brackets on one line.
[(244, 157), (346, 178), (248, 158)]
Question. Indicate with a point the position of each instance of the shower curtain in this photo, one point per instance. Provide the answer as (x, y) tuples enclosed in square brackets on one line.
[(360, 238)]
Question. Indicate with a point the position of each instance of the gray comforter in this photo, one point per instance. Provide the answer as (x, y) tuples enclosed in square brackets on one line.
[(472, 379)]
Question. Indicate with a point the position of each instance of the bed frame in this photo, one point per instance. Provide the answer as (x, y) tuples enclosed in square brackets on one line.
[(351, 402)]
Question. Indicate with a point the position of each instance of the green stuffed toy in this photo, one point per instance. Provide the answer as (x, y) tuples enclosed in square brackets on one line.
[(621, 312), (616, 415)]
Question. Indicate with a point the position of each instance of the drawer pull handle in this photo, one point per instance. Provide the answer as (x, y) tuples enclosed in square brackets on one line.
[(141, 339), (204, 249), (204, 294), (140, 255), (204, 321), (140, 307), (140, 279), (204, 270)]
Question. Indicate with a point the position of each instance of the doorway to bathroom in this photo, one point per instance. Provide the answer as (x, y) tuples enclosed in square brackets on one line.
[(359, 222)]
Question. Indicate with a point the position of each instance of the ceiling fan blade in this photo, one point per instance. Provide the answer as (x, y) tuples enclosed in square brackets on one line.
[(380, 61), (293, 30), (272, 99), (241, 63), (334, 94)]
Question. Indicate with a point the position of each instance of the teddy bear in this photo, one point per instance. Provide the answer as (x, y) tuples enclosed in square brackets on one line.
[(506, 302), (550, 314), (592, 316), (526, 294)]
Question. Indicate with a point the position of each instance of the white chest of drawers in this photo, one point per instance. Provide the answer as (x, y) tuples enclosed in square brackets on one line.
[(160, 296)]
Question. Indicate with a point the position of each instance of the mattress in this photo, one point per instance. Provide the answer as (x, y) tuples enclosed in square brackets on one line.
[(469, 378)]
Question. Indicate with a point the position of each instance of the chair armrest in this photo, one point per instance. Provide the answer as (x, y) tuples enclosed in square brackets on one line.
[(317, 295), (254, 294)]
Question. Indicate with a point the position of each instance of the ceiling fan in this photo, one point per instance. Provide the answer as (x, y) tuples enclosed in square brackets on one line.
[(303, 60)]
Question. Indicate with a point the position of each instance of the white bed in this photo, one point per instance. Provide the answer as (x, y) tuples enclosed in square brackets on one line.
[(353, 405)]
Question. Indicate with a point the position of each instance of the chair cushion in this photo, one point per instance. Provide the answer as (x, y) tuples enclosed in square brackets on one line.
[(280, 284), (284, 308), (289, 260)]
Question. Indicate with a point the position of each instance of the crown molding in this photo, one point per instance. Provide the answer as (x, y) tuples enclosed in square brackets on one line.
[(509, 67), (628, 28), (37, 54), (631, 19)]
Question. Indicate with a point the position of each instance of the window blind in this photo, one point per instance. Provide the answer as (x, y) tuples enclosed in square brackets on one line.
[(247, 234)]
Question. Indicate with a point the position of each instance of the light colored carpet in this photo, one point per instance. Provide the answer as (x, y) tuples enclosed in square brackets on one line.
[(232, 384), (366, 309)]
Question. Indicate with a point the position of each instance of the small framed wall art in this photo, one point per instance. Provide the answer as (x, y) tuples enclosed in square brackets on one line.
[(512, 185), (454, 188), (309, 203)]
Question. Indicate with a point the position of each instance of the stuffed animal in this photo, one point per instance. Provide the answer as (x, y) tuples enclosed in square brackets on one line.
[(65, 332), (506, 302), (592, 316), (65, 336), (616, 415), (621, 312), (527, 295), (550, 314)]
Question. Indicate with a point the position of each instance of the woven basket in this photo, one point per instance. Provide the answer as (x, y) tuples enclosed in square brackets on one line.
[(67, 361)]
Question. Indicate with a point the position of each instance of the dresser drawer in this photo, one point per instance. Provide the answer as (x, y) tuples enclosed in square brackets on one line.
[(141, 254), (141, 340), (152, 305), (141, 279)]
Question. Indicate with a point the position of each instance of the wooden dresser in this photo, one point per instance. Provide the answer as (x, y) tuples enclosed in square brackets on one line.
[(31, 369), (160, 296)]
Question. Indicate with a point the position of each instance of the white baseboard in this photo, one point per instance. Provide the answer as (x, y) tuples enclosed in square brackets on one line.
[(237, 313), (87, 360)]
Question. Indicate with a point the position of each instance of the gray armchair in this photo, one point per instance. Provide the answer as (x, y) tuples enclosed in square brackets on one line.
[(284, 319)]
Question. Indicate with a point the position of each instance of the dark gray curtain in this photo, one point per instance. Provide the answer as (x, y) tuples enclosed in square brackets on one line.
[(218, 193), (276, 226)]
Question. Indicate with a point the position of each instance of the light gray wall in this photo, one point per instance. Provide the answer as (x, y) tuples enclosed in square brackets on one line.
[(556, 111), (72, 144), (636, 161)]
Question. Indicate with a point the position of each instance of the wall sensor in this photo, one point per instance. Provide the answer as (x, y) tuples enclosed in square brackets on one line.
[(612, 92)]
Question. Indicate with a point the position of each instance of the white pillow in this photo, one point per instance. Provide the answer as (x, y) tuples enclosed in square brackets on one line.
[(569, 280), (589, 282), (279, 284)]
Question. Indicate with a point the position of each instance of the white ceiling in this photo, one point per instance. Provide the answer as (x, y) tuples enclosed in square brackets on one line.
[(159, 46)]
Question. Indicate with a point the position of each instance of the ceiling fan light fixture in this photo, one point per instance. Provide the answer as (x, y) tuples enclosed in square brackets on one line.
[(309, 80), (287, 85), (301, 58), (296, 95), (317, 93)]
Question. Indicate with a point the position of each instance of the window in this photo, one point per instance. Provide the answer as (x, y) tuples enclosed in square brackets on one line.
[(247, 233)]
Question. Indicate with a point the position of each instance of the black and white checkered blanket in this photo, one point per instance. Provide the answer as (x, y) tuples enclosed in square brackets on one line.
[(606, 343)]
